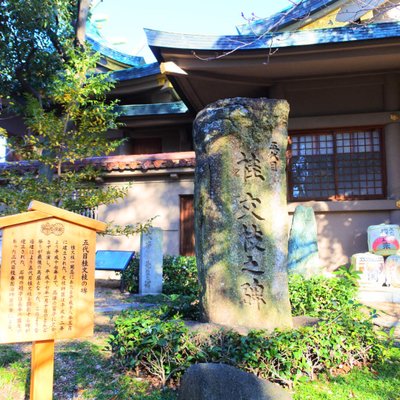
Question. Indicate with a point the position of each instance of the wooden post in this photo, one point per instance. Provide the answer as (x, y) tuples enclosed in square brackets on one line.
[(42, 370)]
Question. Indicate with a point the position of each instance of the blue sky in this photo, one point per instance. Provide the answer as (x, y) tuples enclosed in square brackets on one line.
[(127, 18)]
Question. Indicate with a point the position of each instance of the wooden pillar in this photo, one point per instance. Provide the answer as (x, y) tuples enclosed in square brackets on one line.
[(42, 370)]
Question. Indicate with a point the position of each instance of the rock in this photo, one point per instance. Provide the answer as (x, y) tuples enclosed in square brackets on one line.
[(241, 212), (303, 246), (223, 382)]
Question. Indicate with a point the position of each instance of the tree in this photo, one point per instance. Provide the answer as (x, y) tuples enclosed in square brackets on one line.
[(50, 80)]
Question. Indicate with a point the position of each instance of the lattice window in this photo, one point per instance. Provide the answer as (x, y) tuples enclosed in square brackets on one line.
[(336, 164)]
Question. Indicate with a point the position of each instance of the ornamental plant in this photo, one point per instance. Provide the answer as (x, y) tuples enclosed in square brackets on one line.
[(49, 80), (158, 344)]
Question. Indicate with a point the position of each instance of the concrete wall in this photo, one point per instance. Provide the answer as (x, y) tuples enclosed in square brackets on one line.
[(156, 196), (342, 226)]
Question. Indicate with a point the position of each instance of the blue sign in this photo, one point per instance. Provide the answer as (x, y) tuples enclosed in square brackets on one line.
[(113, 260)]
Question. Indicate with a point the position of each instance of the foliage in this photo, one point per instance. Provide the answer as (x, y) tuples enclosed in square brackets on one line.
[(378, 383), (83, 370), (57, 139), (130, 275), (8, 356), (179, 276), (14, 369), (33, 40), (149, 342), (319, 296), (50, 81), (349, 273), (187, 307)]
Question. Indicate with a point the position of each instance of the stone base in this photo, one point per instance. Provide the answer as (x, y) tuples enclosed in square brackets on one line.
[(223, 382), (374, 294)]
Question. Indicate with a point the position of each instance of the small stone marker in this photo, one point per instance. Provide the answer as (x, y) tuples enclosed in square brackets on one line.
[(303, 246), (151, 261), (372, 267), (241, 212), (392, 270), (46, 284)]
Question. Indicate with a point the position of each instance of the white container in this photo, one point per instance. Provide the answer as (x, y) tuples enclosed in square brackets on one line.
[(371, 266), (384, 239), (392, 269)]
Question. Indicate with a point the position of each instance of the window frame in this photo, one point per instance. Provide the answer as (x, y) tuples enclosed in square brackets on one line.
[(334, 132)]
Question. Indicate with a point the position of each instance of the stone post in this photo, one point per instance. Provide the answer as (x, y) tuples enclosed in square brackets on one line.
[(241, 212), (303, 256), (151, 261)]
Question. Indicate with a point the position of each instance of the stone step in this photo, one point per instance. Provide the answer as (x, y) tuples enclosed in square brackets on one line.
[(379, 294)]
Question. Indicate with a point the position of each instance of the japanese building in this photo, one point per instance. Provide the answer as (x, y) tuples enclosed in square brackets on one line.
[(342, 84), (338, 67)]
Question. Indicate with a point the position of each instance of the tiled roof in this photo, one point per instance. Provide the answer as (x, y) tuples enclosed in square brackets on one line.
[(290, 15), (142, 162), (116, 55), (145, 162), (159, 39), (136, 72), (133, 110)]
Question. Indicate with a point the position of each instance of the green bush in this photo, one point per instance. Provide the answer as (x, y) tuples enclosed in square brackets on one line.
[(150, 342), (158, 343), (130, 275), (319, 296), (179, 276)]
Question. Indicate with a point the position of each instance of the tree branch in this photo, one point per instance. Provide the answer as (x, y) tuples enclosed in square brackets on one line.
[(80, 28)]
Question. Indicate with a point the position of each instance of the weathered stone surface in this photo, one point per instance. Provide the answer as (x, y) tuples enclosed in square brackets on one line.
[(223, 382), (151, 261), (241, 212), (303, 246)]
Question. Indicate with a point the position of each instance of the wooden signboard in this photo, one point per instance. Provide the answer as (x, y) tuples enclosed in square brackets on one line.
[(46, 282)]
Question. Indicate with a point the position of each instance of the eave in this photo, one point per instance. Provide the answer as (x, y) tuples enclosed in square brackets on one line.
[(210, 67)]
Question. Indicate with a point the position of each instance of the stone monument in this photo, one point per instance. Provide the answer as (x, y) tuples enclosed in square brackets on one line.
[(303, 246), (241, 212), (151, 261)]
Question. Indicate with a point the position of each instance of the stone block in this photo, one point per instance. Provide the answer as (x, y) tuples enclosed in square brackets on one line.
[(151, 261), (303, 245), (223, 382), (241, 212)]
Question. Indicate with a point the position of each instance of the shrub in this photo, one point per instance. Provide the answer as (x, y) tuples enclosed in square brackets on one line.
[(148, 341), (158, 343), (179, 276), (130, 275), (319, 296)]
